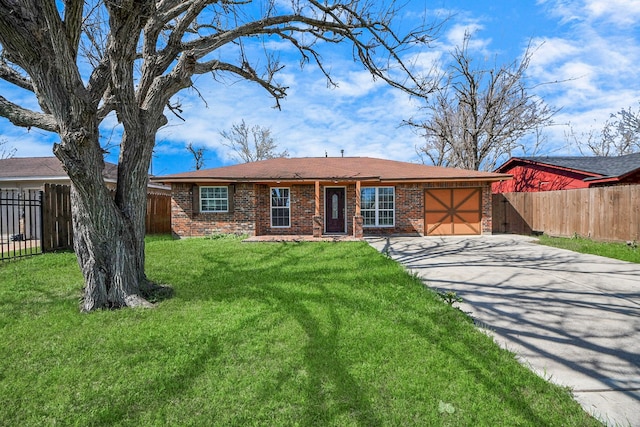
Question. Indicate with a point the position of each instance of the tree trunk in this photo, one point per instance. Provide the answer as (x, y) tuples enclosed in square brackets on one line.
[(109, 230), (108, 252)]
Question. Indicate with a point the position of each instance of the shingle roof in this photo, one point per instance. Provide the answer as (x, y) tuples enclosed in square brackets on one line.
[(331, 168), (596, 165), (18, 168)]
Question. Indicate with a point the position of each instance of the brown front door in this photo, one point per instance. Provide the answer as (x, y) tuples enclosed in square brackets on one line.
[(334, 210), (452, 211)]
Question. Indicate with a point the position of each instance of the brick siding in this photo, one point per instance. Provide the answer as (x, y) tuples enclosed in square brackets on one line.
[(240, 219), (251, 210)]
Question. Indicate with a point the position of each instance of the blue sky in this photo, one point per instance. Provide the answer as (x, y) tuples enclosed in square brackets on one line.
[(591, 46)]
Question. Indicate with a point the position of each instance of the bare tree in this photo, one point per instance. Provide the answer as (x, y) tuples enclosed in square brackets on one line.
[(479, 116), (6, 153), (198, 155), (588, 142), (619, 135), (85, 59), (251, 143)]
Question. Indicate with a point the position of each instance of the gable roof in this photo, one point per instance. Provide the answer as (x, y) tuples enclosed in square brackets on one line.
[(593, 167), (43, 168), (330, 168)]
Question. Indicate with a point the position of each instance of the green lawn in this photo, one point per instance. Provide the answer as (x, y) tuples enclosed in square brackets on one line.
[(258, 334), (621, 251)]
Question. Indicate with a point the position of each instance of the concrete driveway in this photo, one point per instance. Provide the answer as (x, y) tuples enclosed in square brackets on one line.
[(573, 318)]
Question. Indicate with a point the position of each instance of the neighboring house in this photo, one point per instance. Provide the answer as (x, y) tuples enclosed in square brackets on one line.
[(532, 174), (331, 196), (20, 216), (32, 173)]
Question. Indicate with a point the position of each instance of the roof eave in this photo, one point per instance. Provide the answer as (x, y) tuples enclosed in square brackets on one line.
[(34, 178), (516, 160), (170, 180)]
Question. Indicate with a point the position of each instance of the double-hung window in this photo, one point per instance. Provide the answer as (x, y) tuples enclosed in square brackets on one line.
[(280, 207), (214, 199), (377, 206)]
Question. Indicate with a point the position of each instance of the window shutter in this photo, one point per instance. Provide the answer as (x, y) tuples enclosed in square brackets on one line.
[(231, 196), (196, 199)]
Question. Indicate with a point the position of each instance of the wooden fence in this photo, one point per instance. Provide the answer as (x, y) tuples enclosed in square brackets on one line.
[(158, 213), (57, 230), (56, 216), (601, 213)]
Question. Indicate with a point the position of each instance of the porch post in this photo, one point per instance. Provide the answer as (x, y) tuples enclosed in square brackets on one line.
[(317, 219), (357, 218)]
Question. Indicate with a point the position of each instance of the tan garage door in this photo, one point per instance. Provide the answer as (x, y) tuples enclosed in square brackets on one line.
[(452, 211)]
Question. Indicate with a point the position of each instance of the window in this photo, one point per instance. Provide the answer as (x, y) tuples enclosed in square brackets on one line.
[(214, 199), (377, 206), (280, 210)]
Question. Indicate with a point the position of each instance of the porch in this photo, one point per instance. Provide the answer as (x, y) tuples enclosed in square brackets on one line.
[(302, 238)]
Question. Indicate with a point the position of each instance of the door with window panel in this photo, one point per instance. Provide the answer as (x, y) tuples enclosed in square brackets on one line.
[(335, 210)]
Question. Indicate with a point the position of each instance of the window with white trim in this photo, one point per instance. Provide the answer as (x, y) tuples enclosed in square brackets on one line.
[(280, 207), (377, 206), (214, 199)]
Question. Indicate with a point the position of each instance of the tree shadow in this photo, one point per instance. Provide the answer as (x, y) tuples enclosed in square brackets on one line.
[(331, 390), (558, 309), (320, 349)]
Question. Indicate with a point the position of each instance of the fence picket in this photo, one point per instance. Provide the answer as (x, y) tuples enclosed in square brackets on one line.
[(48, 213), (602, 213)]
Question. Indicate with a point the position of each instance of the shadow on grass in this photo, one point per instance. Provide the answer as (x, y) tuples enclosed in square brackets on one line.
[(273, 278), (577, 311), (132, 404), (326, 369)]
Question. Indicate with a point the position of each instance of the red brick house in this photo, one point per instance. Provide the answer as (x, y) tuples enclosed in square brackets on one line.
[(331, 196), (533, 174)]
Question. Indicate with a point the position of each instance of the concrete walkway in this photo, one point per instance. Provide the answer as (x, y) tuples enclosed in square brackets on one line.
[(573, 318)]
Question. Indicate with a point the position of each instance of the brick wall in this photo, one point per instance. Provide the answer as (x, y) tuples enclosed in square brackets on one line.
[(410, 208), (487, 206), (251, 211), (240, 219), (302, 208)]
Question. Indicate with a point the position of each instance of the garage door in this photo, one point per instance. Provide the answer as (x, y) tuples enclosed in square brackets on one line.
[(453, 211)]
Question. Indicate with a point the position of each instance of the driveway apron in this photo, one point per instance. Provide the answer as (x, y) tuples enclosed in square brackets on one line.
[(572, 318)]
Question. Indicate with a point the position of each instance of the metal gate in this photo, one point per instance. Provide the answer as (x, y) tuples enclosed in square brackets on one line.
[(20, 223), (34, 221)]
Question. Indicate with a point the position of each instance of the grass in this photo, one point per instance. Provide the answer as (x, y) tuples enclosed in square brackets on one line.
[(621, 251), (258, 334)]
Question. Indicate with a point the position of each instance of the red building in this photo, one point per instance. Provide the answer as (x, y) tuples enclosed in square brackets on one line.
[(546, 173)]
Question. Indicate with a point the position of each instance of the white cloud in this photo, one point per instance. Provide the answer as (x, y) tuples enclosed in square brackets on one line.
[(595, 56), (28, 143), (455, 36), (591, 46), (620, 13)]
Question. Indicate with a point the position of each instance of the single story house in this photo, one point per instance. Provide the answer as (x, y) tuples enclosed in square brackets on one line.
[(32, 173), (547, 173), (331, 196)]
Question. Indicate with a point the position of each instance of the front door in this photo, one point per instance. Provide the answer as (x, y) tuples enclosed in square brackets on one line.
[(334, 210)]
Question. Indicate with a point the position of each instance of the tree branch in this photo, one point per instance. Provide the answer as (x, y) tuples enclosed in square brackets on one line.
[(10, 75), (26, 118), (276, 91), (73, 23)]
